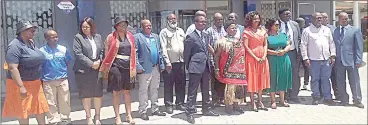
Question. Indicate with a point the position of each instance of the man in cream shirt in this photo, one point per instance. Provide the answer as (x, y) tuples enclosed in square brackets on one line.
[(318, 52), (172, 43)]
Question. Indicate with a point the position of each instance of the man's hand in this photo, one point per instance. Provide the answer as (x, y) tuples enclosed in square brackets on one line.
[(358, 65), (307, 62), (140, 71), (23, 92), (168, 68), (96, 64), (332, 61)]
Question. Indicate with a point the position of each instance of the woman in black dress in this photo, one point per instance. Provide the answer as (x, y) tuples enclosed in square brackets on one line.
[(88, 48), (119, 66)]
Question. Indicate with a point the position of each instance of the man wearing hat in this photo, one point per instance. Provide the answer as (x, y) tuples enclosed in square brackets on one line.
[(149, 66), (23, 94)]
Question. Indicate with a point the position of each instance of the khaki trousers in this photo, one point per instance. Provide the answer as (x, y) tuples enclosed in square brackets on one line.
[(58, 98)]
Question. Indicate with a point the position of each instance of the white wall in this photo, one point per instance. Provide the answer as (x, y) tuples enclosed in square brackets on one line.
[(154, 5)]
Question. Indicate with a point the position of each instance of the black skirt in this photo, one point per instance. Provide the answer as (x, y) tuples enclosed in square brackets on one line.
[(119, 79), (89, 85)]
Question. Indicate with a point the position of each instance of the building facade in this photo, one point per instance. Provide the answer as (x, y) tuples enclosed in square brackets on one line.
[(48, 15)]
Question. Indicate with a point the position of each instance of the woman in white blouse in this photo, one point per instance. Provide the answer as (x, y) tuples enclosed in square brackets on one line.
[(88, 49)]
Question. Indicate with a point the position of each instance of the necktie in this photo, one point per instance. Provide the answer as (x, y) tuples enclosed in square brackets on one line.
[(342, 32), (286, 28)]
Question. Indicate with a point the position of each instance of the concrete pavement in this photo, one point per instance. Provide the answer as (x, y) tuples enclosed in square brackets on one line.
[(304, 113)]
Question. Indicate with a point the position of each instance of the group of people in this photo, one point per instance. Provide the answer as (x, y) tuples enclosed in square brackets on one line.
[(229, 59)]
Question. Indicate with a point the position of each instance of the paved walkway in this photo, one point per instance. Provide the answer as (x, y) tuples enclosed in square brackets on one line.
[(304, 113)]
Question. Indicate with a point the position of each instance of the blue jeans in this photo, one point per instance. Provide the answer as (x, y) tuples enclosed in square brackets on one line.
[(320, 71)]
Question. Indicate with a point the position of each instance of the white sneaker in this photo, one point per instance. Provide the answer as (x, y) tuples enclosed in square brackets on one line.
[(305, 87)]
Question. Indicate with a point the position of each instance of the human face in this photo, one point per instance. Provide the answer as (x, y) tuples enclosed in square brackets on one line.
[(275, 26), (29, 33), (52, 37), (232, 18), (200, 24), (317, 20), (121, 27), (256, 21), (343, 20), (324, 19), (171, 20), (86, 28), (231, 30), (146, 27), (286, 16), (218, 21)]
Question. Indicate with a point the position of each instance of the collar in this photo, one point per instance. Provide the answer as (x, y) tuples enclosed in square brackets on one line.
[(312, 25), (215, 28), (147, 36), (284, 22), (343, 26), (199, 32)]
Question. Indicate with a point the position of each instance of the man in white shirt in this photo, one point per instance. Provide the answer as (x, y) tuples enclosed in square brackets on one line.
[(192, 27), (172, 43), (318, 52)]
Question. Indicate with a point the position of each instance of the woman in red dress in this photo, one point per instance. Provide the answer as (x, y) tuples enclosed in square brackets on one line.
[(257, 69), (230, 68)]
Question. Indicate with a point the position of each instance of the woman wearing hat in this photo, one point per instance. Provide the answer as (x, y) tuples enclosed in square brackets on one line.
[(230, 68), (88, 48), (24, 93), (119, 66)]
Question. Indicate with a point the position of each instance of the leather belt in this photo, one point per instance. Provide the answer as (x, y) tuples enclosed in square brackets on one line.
[(122, 57)]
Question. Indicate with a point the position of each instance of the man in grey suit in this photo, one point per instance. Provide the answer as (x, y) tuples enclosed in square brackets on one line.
[(349, 53), (198, 65), (150, 65), (291, 28)]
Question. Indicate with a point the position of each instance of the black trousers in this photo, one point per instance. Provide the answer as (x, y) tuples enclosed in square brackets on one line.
[(217, 88), (175, 78), (194, 81)]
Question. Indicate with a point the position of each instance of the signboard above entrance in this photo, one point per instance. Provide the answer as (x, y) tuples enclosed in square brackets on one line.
[(66, 6)]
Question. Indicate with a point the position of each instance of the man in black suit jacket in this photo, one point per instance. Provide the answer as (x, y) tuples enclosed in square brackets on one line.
[(198, 65)]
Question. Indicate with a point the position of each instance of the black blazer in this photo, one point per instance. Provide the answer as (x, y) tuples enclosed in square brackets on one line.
[(83, 52), (196, 52)]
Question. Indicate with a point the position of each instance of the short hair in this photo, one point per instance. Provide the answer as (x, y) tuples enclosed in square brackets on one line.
[(235, 15), (281, 11), (299, 20), (228, 24), (250, 17), (90, 22), (46, 32), (167, 17), (269, 23), (196, 18)]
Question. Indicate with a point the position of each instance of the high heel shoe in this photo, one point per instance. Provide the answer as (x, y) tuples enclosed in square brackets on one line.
[(261, 106), (254, 108), (118, 121), (130, 120), (97, 121), (89, 120)]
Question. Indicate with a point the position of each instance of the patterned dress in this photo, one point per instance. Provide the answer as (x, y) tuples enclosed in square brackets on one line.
[(258, 74), (280, 66), (231, 68)]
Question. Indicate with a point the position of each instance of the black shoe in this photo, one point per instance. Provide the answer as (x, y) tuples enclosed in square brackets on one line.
[(343, 103), (238, 109), (294, 101), (180, 107), (169, 109), (359, 105), (190, 119), (159, 113), (144, 116), (209, 113), (315, 100), (329, 102)]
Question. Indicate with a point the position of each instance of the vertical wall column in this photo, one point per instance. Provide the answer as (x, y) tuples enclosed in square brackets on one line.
[(356, 14)]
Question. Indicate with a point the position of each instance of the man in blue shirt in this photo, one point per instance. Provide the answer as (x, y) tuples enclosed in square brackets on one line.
[(54, 77), (149, 66)]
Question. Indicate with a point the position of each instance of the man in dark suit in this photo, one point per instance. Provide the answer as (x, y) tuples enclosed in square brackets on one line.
[(349, 57), (291, 28), (198, 65)]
